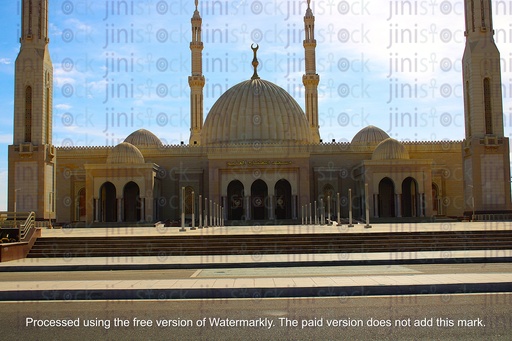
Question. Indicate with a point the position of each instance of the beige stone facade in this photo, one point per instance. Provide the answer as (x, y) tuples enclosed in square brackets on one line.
[(259, 155)]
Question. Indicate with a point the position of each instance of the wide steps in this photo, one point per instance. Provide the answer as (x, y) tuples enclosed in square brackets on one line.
[(164, 246)]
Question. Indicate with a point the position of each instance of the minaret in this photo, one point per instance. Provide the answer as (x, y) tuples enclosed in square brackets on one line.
[(196, 80), (311, 78), (486, 149), (32, 156)]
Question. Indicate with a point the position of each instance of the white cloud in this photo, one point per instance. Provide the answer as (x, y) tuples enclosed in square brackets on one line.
[(5, 138), (63, 106)]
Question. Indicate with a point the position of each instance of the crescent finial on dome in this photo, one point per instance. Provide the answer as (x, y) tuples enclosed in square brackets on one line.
[(255, 62)]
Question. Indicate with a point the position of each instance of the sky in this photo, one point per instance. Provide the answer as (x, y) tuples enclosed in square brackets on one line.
[(123, 65)]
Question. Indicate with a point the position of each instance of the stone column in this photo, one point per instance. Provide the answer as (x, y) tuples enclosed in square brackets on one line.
[(247, 207), (376, 205), (271, 215), (142, 209), (96, 210), (421, 204), (206, 212), (119, 210), (294, 206), (224, 210), (398, 205)]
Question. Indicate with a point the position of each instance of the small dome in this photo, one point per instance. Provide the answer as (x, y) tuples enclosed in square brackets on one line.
[(256, 111), (390, 149), (370, 135), (125, 153), (143, 138)]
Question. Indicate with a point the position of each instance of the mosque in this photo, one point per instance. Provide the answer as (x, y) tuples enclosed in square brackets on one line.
[(257, 153)]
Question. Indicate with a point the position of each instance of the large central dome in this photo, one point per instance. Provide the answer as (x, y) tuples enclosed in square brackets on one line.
[(256, 111)]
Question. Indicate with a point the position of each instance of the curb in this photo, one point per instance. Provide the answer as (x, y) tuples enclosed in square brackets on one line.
[(277, 264), (253, 293)]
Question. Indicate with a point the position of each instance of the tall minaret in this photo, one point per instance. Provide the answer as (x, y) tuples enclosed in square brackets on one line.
[(311, 78), (32, 156), (196, 80), (486, 149)]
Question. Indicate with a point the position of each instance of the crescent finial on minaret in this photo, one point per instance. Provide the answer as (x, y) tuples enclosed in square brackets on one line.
[(255, 62)]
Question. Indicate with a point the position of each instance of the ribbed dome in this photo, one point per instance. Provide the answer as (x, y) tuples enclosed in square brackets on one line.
[(256, 111), (369, 135), (125, 153), (143, 138), (390, 149)]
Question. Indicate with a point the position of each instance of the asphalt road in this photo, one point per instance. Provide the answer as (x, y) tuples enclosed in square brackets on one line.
[(258, 272), (444, 317)]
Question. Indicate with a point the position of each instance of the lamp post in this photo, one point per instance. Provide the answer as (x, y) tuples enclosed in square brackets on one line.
[(472, 202), (15, 198), (193, 211), (182, 229), (200, 211), (367, 206), (350, 208)]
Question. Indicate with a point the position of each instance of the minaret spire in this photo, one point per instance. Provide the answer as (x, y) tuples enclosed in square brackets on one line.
[(196, 81), (311, 78), (486, 160), (32, 155)]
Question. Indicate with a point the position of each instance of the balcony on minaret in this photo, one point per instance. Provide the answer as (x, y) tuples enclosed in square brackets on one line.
[(196, 81)]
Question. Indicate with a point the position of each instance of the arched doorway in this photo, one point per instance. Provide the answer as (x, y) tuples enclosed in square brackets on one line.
[(108, 202), (131, 196), (283, 193), (435, 200), (235, 200), (259, 196), (80, 205), (386, 198), (409, 196), (188, 200)]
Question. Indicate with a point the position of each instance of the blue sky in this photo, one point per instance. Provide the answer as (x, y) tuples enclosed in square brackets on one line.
[(123, 65)]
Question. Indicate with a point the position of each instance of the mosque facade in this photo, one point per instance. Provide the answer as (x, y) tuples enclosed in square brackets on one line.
[(257, 153)]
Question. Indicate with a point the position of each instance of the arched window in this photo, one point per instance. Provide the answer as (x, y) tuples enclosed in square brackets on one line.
[(468, 112), (48, 120), (487, 106), (28, 114)]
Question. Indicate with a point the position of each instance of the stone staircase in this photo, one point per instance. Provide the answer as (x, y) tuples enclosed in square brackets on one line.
[(166, 246)]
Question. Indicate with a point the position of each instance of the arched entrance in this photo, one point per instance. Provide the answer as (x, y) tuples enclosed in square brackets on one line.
[(283, 193), (409, 196), (259, 196), (108, 202), (386, 198), (235, 200), (131, 196)]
